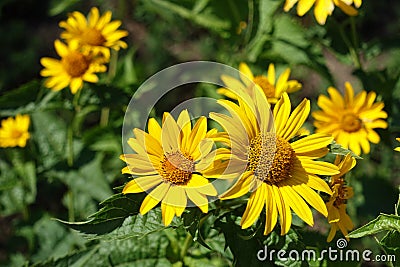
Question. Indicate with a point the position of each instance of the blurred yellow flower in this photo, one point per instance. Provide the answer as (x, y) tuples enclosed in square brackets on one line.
[(14, 132), (337, 216), (280, 174), (169, 163), (72, 70), (271, 87), (97, 33), (323, 8), (397, 148), (352, 119)]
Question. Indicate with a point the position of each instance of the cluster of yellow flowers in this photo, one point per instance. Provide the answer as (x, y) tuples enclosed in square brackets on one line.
[(85, 52), (270, 157), (323, 8), (87, 49)]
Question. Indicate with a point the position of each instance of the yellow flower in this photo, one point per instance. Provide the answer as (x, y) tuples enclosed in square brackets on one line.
[(73, 68), (337, 216), (97, 33), (280, 174), (14, 132), (271, 87), (323, 8), (169, 163), (397, 148), (351, 120)]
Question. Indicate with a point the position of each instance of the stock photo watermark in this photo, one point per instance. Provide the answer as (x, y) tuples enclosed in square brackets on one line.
[(339, 253)]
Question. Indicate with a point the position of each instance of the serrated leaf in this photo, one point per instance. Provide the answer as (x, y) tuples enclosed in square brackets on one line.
[(148, 251), (140, 225), (111, 215), (50, 136), (119, 218), (383, 222)]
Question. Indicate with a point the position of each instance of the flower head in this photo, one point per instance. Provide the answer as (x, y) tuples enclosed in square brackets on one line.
[(169, 162), (352, 119), (280, 174), (72, 69), (97, 33), (337, 216), (14, 132), (273, 88), (323, 8)]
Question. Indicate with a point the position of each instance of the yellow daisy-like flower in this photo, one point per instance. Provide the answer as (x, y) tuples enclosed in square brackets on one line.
[(397, 148), (280, 174), (352, 119), (337, 216), (14, 132), (323, 8), (72, 69), (97, 33), (273, 88), (170, 161)]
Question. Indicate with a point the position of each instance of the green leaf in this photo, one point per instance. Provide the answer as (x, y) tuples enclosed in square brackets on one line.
[(19, 96), (58, 7), (337, 149), (383, 222), (267, 9), (391, 243), (148, 251), (204, 19), (119, 218), (50, 136), (192, 221), (18, 181), (112, 214)]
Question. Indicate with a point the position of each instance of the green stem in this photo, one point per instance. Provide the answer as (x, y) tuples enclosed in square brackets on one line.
[(250, 21), (186, 245), (71, 209), (351, 45), (70, 143), (104, 116), (112, 67)]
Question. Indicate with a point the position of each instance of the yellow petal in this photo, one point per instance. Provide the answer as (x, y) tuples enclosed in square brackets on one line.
[(312, 198), (240, 188), (198, 199), (298, 205), (254, 206), (285, 216), (142, 184), (311, 142), (271, 210), (245, 74), (304, 6), (168, 213), (154, 197), (271, 74)]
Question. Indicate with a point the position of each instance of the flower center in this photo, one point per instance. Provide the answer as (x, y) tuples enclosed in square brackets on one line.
[(343, 192), (75, 64), (351, 123), (93, 36), (262, 81), (176, 168), (271, 158), (16, 134)]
